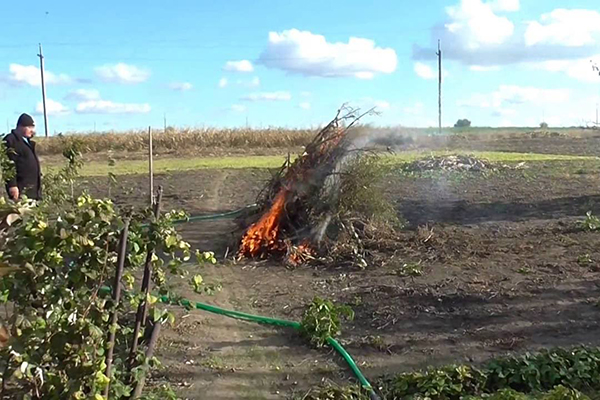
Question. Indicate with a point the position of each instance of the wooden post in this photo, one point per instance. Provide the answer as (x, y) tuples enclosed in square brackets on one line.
[(150, 167), (139, 386), (439, 54), (116, 299), (41, 56)]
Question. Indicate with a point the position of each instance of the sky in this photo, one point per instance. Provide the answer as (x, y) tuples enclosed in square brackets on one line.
[(119, 65)]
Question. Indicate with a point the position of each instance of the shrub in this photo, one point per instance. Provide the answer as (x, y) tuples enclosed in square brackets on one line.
[(462, 123), (58, 269)]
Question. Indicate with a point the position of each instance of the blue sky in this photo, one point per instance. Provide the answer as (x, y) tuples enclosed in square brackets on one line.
[(125, 64)]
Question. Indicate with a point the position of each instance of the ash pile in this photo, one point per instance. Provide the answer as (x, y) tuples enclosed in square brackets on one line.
[(460, 163), (319, 207)]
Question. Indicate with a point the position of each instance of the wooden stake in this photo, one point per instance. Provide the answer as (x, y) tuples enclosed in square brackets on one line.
[(139, 386), (116, 299), (142, 310)]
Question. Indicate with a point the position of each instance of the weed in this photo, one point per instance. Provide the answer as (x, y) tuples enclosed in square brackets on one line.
[(410, 270), (524, 270), (322, 320), (591, 222), (584, 260)]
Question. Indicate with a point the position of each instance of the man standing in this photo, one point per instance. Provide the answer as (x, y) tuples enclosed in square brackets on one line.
[(20, 148)]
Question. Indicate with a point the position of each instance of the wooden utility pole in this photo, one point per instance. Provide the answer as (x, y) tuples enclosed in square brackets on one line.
[(165, 121), (439, 54), (41, 56), (150, 166)]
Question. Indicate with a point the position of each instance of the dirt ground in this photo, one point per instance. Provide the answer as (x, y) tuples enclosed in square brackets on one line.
[(506, 269)]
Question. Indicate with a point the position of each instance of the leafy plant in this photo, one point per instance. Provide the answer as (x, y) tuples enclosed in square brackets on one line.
[(584, 260), (7, 166), (322, 320), (59, 323), (591, 222), (559, 374), (410, 269), (58, 187)]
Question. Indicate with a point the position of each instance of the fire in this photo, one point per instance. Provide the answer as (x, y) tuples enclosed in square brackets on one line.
[(268, 236), (263, 236), (299, 254)]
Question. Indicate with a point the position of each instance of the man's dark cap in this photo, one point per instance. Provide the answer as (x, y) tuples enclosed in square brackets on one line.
[(25, 120)]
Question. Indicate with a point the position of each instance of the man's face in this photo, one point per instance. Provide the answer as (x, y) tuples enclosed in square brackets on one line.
[(27, 131)]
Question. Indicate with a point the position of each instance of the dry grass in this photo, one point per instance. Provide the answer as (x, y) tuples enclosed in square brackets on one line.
[(182, 139), (185, 140)]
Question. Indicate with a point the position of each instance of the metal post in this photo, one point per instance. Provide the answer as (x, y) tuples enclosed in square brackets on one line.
[(41, 56)]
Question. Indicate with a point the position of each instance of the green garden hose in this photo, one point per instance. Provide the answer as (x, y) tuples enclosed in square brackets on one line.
[(282, 323), (210, 217)]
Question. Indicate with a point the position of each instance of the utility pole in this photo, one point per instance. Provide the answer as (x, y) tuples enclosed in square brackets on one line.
[(41, 56), (597, 115), (165, 121), (439, 54)]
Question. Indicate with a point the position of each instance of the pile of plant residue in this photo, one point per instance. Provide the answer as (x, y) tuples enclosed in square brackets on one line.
[(320, 205), (459, 163)]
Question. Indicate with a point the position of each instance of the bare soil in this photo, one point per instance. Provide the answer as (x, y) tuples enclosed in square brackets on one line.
[(506, 269)]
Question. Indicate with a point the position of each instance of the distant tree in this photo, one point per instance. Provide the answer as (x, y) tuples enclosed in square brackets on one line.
[(544, 125), (462, 123)]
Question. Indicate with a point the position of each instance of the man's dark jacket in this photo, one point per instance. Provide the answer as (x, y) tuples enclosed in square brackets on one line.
[(28, 177)]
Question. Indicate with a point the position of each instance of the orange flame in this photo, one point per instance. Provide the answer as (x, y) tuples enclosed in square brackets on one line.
[(263, 236), (300, 253)]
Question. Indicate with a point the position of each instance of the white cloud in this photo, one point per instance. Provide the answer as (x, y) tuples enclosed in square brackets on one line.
[(181, 86), (255, 82), (416, 109), (476, 23), (571, 28), (381, 105), (122, 73), (223, 82), (479, 33), (109, 107), (482, 68), (52, 108), (580, 69), (238, 66), (510, 95), (239, 108), (305, 105), (506, 5), (424, 71), (252, 83), (83, 94), (309, 54), (268, 96), (30, 75)]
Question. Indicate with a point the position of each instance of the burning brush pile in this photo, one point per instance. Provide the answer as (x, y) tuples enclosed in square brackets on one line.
[(317, 207)]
